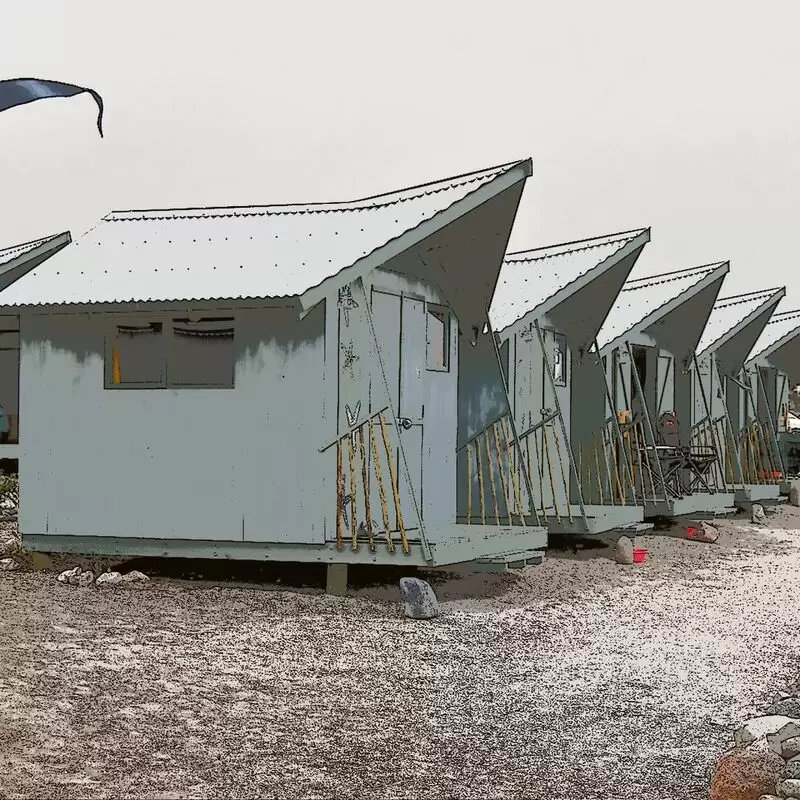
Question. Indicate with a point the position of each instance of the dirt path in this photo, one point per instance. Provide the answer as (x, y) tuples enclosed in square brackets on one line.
[(576, 679)]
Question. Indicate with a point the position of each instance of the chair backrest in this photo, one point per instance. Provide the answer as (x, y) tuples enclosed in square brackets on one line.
[(668, 429)]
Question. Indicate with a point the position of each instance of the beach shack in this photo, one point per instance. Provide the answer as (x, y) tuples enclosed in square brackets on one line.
[(647, 346), (264, 382), (547, 310), (735, 324), (14, 262), (771, 371)]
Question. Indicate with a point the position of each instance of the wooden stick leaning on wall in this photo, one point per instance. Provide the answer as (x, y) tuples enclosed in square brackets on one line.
[(353, 492), (490, 467), (381, 489), (339, 495), (366, 486), (515, 487), (563, 474), (395, 486), (498, 454), (469, 483), (481, 482)]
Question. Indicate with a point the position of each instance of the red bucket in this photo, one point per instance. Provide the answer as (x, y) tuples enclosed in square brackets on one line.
[(639, 555)]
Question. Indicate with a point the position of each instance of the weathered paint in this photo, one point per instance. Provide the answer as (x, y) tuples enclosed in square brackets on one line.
[(232, 465)]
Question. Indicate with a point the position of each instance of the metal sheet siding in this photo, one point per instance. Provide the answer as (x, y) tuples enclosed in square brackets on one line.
[(529, 278), (190, 464), (230, 253)]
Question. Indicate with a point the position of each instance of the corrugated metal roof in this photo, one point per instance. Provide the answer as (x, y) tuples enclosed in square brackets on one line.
[(779, 326), (232, 252), (530, 277), (8, 254), (642, 295), (729, 312)]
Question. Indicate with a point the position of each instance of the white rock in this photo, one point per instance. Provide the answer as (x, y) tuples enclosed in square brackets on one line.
[(623, 552), (68, 574), (790, 748), (134, 576), (794, 496), (792, 768), (109, 579), (420, 599), (788, 788), (757, 514), (8, 565), (704, 532), (759, 727)]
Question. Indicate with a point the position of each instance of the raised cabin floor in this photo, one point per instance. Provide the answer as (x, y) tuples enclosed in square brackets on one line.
[(699, 505), (453, 544), (751, 493), (599, 519)]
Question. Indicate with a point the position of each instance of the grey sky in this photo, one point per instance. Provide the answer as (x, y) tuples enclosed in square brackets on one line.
[(682, 116)]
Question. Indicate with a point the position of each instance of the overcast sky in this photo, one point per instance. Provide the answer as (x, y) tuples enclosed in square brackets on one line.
[(682, 116)]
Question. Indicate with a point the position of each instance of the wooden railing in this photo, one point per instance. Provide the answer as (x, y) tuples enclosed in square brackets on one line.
[(760, 464), (605, 467), (489, 459), (360, 460)]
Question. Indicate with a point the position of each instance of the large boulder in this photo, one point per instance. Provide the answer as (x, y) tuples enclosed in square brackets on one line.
[(780, 740), (785, 706), (757, 514), (794, 496), (788, 787), (108, 579), (419, 598), (746, 773)]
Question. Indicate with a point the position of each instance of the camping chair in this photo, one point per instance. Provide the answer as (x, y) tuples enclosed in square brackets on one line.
[(686, 469)]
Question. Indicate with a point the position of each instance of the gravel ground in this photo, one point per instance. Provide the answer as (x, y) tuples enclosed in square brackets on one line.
[(573, 680)]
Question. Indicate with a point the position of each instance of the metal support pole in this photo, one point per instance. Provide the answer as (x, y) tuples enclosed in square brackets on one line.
[(513, 424), (773, 428), (709, 417), (620, 439), (567, 442), (635, 376), (426, 549)]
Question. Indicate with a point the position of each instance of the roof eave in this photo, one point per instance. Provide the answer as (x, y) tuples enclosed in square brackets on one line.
[(640, 240), (668, 307), (762, 358), (727, 336), (515, 174)]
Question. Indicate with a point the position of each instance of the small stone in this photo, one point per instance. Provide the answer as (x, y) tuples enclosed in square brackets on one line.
[(790, 748), (108, 579), (788, 788), (759, 727), (624, 550), (134, 576), (745, 773), (769, 797), (8, 546), (757, 515), (420, 599), (8, 565), (787, 732), (68, 575), (86, 578), (794, 496), (792, 769)]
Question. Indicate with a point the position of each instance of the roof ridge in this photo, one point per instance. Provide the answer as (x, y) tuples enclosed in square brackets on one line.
[(744, 296), (32, 242), (389, 198), (588, 244), (780, 315), (668, 277)]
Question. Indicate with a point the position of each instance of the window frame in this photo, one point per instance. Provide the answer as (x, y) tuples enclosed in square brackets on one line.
[(442, 313), (167, 334), (560, 347)]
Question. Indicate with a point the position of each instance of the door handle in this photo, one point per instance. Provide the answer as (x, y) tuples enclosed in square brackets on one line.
[(405, 423)]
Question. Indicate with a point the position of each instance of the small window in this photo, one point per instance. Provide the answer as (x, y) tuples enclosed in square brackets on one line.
[(180, 354), (438, 338), (136, 356), (201, 354), (559, 358)]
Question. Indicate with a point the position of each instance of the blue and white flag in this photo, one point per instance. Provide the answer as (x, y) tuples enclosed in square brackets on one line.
[(18, 91)]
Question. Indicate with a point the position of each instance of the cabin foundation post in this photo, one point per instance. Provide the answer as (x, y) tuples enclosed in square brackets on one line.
[(336, 580)]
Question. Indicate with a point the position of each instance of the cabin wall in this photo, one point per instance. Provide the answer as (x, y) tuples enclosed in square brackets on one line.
[(224, 464), (9, 374), (588, 411)]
